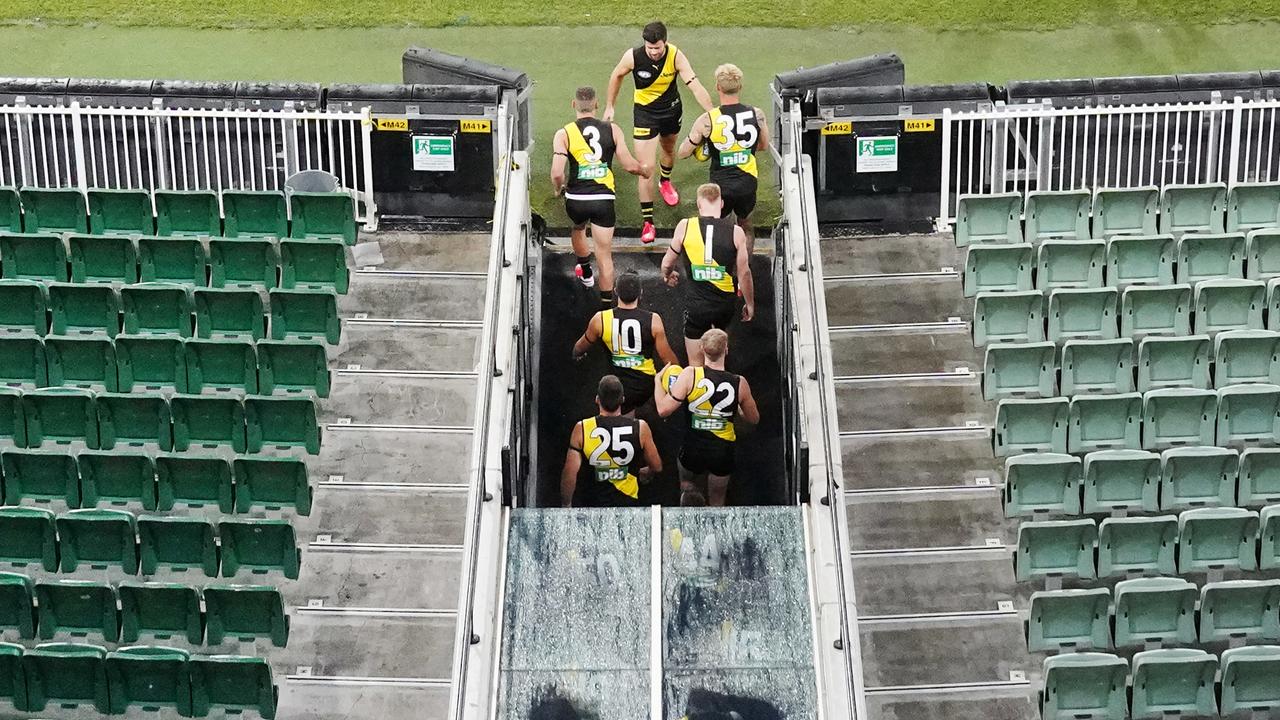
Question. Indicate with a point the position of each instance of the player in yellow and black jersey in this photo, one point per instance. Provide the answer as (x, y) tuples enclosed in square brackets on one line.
[(582, 170), (654, 68), (609, 455)]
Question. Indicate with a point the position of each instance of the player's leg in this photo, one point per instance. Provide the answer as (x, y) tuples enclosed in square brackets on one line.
[(717, 489), (692, 494), (745, 206), (667, 161), (646, 154), (578, 238), (602, 238), (694, 326)]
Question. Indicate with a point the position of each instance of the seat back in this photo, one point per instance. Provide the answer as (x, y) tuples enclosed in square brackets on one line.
[(1163, 310), (1206, 256), (34, 257), (117, 478), (151, 363), (272, 483), (254, 214), (1140, 260), (1253, 205), (243, 263), (1121, 480), (1198, 476), (187, 212), (258, 545), (1086, 683), (178, 542), (1259, 479), (66, 674), (1068, 618), (281, 422), (1248, 679), (1128, 211), (1142, 544), (1070, 264), (23, 306), (23, 361), (84, 309), (134, 419), (54, 210), (82, 362), (1024, 426), (1246, 356), (1105, 422), (1055, 547), (158, 308), (246, 612), (150, 678), (1177, 417), (1214, 538), (229, 313), (1262, 254), (160, 610), (1240, 609), (40, 475), (306, 315), (95, 258), (1174, 680), (296, 366), (987, 268), (1155, 610), (1008, 317), (172, 259), (98, 538), (1193, 208), (194, 480), (234, 682), (1082, 314), (1168, 362), (17, 612), (120, 212), (1229, 305), (207, 421), (221, 365), (1097, 366), (28, 536), (325, 215), (1248, 414), (322, 265), (78, 607), (1062, 214)]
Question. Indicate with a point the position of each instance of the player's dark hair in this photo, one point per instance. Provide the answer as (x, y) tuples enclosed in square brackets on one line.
[(585, 94), (609, 393), (627, 289), (654, 31)]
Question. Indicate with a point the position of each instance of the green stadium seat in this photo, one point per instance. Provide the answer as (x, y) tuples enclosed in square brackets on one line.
[(1055, 547), (1155, 610), (232, 682), (1085, 684), (1246, 356), (1025, 426), (1195, 476), (1217, 538), (1058, 215), (229, 313), (160, 610), (1140, 260), (980, 218), (10, 210), (1068, 619), (296, 366), (207, 421), (79, 607), (1021, 370), (321, 265), (134, 419), (1162, 310), (1229, 305), (98, 538), (243, 263), (194, 480), (221, 365), (1172, 362), (1249, 679), (13, 677), (245, 612), (1070, 264), (1262, 254), (166, 259), (1121, 480), (254, 214), (1137, 544), (66, 674), (330, 215), (28, 536), (260, 545), (24, 305), (1173, 680), (40, 475), (1008, 317), (1097, 366), (120, 212), (1240, 609), (34, 257), (1259, 482), (1193, 208), (1248, 414), (84, 309), (177, 542), (22, 361), (95, 258), (272, 483), (1082, 314), (158, 309), (1178, 416), (1209, 257), (1105, 422), (149, 678), (13, 421), (281, 422), (17, 607), (187, 212), (1041, 483), (54, 210), (82, 362), (1130, 211), (151, 363), (305, 315), (1253, 205), (1269, 548), (117, 478)]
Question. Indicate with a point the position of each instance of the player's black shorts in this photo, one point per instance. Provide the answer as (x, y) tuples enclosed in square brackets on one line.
[(701, 316), (651, 124), (597, 212), (739, 201), (637, 389), (703, 457)]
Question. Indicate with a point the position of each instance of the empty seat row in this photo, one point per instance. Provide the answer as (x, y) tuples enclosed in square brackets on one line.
[(180, 422), (63, 309), (135, 609), (115, 538), (156, 362), (243, 213), (1196, 540), (253, 262), (1154, 420), (1163, 683), (90, 479), (141, 677)]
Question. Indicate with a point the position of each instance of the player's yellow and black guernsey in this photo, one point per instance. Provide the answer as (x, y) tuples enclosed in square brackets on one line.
[(591, 149), (627, 333), (735, 133), (657, 96), (712, 403), (711, 258), (611, 453)]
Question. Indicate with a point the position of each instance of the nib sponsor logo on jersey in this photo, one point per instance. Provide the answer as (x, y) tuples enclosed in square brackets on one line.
[(735, 159), (708, 273), (627, 361)]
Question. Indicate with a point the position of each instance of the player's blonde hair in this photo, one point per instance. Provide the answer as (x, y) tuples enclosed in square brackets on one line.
[(709, 192), (729, 79), (715, 343)]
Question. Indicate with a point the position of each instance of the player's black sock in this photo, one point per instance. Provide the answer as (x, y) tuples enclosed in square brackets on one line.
[(606, 299), (585, 264), (646, 211), (664, 172)]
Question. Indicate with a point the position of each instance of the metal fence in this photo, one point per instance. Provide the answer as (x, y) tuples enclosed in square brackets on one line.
[(1031, 148), (184, 149)]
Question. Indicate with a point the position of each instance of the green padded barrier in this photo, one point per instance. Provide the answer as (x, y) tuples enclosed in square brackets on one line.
[(1013, 370), (322, 215), (150, 678), (165, 259), (252, 213), (320, 265), (243, 263), (79, 607), (1262, 254), (1130, 211), (158, 308), (1259, 482), (1070, 264), (121, 212), (1193, 476), (207, 421), (133, 419), (22, 361), (1097, 366), (272, 483), (1229, 304), (34, 257), (54, 210), (1193, 208), (13, 416), (1008, 317), (1060, 214), (979, 218), (1068, 619), (1140, 260), (260, 546), (1249, 679), (1121, 480), (221, 365), (160, 610), (40, 475), (187, 212), (194, 480), (151, 363), (305, 315), (1240, 609), (1204, 256), (297, 366), (23, 306), (177, 542), (1248, 414), (82, 362), (98, 538), (28, 536), (1024, 426), (1105, 422), (281, 422), (1253, 205), (1245, 356), (1040, 484), (987, 268), (95, 258), (1083, 684), (66, 674), (117, 478), (245, 612), (10, 210), (1137, 544), (84, 309), (1178, 416), (1160, 310), (1171, 362), (234, 683), (1155, 610), (17, 607), (1173, 680), (229, 313), (1082, 314), (1055, 547), (1217, 538)]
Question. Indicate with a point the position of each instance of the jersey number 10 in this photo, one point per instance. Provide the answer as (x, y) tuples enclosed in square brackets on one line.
[(626, 336)]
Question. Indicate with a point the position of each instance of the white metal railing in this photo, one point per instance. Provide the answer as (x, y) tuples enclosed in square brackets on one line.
[(1029, 148), (184, 149)]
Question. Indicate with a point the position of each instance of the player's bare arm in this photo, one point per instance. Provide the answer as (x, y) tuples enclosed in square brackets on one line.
[(620, 71), (668, 403), (660, 342), (572, 463), (747, 409), (624, 156), (669, 274), (652, 459), (589, 337), (762, 144), (559, 158), (697, 135), (685, 71), (745, 283)]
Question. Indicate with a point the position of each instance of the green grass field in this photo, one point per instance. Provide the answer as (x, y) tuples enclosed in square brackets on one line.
[(560, 59)]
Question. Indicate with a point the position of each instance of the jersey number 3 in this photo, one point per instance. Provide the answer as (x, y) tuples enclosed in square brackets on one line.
[(592, 135), (613, 441), (738, 130)]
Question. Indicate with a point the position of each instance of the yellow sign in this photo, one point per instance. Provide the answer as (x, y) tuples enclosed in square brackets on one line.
[(396, 124), (838, 128), (918, 125), (475, 126)]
